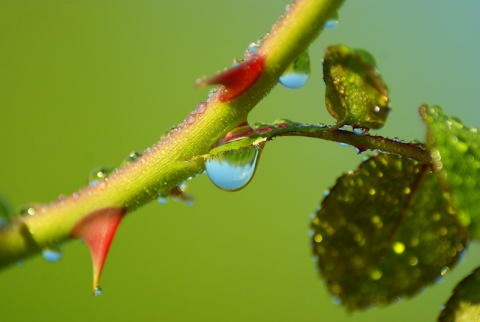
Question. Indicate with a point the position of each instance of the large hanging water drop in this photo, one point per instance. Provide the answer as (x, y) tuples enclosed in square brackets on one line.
[(297, 74), (233, 170)]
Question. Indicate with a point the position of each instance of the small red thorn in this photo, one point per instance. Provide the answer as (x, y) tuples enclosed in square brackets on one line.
[(97, 231), (238, 79)]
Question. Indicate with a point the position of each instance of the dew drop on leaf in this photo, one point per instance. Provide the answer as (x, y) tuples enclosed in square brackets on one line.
[(233, 170), (52, 255), (296, 75)]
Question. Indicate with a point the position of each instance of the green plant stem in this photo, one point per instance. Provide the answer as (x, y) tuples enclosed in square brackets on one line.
[(362, 142), (172, 160)]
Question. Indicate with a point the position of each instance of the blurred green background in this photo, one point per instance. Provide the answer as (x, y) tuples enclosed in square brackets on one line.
[(83, 83)]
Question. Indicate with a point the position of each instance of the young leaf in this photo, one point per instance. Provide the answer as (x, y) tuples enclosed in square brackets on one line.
[(464, 305), (385, 231), (355, 93), (455, 150)]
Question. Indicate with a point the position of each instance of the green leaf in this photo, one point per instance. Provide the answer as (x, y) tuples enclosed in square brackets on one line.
[(385, 231), (355, 92), (455, 150), (464, 305)]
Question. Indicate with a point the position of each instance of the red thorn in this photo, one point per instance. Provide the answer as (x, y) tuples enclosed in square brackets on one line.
[(236, 79), (97, 231)]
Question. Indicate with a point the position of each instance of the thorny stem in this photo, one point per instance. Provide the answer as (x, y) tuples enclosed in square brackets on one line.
[(167, 164)]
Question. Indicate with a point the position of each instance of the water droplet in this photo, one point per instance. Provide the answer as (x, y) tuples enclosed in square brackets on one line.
[(132, 157), (29, 210), (444, 270), (211, 92), (297, 74), (190, 118), (253, 48), (337, 300), (233, 170), (99, 174), (236, 62), (162, 200), (318, 238), (52, 255), (98, 290), (201, 107), (332, 22), (376, 274), (182, 187), (398, 247), (360, 130), (413, 261)]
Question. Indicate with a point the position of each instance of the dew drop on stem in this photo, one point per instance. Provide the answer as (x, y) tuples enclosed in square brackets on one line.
[(132, 157), (99, 174)]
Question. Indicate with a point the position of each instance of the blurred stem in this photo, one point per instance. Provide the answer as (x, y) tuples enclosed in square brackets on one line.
[(166, 164)]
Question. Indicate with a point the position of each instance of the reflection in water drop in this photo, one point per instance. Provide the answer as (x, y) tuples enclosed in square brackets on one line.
[(30, 210), (233, 170), (330, 24), (99, 174), (444, 270), (98, 290), (162, 200), (297, 74), (132, 157), (52, 255)]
